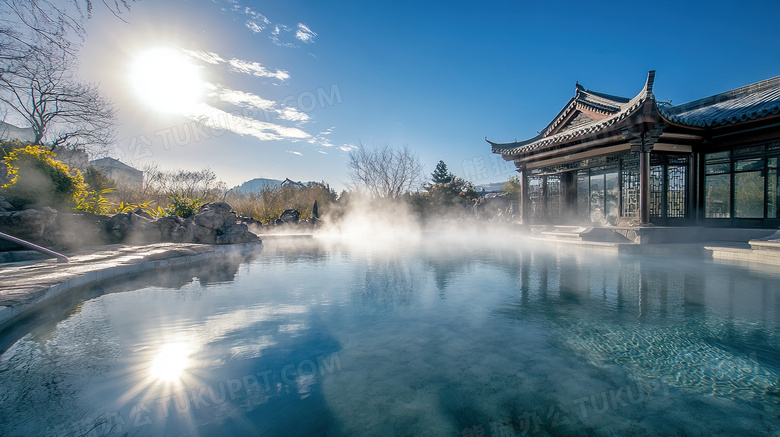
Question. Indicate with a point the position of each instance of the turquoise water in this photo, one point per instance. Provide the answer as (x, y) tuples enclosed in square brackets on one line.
[(429, 338)]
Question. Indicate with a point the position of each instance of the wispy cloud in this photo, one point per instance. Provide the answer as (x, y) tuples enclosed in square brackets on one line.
[(244, 99), (280, 34), (238, 65), (305, 34), (208, 57), (348, 147), (292, 114), (247, 100), (294, 152), (256, 69), (321, 138), (222, 120)]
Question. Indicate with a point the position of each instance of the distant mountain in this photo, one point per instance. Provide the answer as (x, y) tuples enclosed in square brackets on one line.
[(494, 187), (256, 185)]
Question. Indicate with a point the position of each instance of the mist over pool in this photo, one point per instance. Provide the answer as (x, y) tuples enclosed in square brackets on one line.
[(438, 336)]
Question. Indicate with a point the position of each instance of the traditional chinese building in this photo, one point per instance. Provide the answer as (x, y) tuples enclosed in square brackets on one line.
[(614, 160)]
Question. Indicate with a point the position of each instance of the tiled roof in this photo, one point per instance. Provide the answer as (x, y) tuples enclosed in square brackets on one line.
[(742, 104), (113, 163), (619, 108)]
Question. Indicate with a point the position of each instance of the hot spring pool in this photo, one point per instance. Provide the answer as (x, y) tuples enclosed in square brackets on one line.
[(432, 338)]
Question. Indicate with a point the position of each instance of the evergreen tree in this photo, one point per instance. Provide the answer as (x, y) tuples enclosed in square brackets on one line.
[(440, 175)]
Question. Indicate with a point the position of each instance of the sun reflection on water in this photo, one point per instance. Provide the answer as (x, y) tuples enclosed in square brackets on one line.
[(170, 362)]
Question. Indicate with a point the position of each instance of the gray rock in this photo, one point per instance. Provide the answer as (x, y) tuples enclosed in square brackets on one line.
[(209, 219), (28, 224), (81, 229), (132, 228), (117, 226), (202, 234), (142, 230), (5, 205), (219, 207), (235, 234), (174, 229), (290, 216), (214, 215)]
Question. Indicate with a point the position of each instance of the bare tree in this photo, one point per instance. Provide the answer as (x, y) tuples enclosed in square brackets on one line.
[(43, 90), (26, 23), (384, 171)]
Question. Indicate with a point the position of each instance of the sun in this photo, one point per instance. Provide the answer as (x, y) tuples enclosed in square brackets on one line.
[(166, 80)]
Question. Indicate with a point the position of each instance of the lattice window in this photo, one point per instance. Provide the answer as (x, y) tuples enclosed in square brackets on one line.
[(656, 190), (630, 189), (553, 196), (535, 199), (583, 193), (675, 194)]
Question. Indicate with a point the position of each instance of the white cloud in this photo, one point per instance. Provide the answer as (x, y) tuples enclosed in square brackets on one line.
[(294, 153), (208, 57), (256, 69), (347, 147), (265, 131), (281, 34), (238, 65), (244, 100), (323, 152), (292, 114), (305, 34), (254, 27)]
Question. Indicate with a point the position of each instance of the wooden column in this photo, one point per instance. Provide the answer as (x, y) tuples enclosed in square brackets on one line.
[(642, 138), (523, 194)]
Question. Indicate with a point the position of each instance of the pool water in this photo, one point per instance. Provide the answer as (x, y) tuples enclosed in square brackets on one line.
[(486, 337)]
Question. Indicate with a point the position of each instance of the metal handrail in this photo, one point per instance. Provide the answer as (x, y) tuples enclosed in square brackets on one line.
[(60, 257)]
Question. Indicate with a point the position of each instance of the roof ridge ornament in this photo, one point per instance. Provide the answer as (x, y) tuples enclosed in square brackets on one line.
[(650, 82)]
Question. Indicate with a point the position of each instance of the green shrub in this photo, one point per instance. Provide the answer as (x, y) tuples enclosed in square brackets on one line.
[(37, 178), (183, 206), (95, 201)]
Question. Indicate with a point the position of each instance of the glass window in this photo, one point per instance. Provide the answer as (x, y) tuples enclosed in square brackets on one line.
[(675, 194), (612, 193), (656, 190), (718, 168), (716, 157), (554, 196), (772, 162), (717, 203), (597, 212), (771, 193), (749, 194), (535, 196), (754, 150), (630, 191), (749, 164), (583, 182)]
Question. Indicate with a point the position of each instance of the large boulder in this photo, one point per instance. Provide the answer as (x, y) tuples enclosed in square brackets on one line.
[(290, 216), (28, 224), (202, 234), (214, 215), (235, 234), (5, 206), (80, 229), (132, 228), (174, 229)]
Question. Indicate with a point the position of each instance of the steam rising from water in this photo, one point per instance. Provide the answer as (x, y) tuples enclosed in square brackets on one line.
[(373, 223)]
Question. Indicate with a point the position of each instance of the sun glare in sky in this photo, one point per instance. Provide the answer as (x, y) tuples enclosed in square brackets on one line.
[(166, 80)]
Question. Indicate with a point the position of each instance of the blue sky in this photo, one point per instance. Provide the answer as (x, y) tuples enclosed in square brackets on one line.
[(289, 87)]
